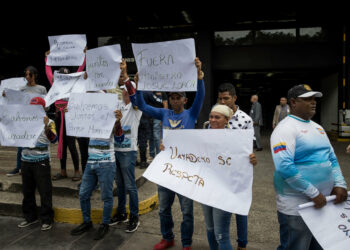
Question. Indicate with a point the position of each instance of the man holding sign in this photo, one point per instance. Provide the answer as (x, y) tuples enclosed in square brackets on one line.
[(177, 118), (306, 168)]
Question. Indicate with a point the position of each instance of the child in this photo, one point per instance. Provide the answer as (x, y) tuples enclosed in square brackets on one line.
[(36, 173)]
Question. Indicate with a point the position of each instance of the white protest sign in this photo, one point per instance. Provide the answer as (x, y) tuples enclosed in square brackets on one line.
[(330, 225), (66, 50), (62, 86), (166, 66), (103, 67), (21, 125), (16, 83), (19, 97), (91, 115), (210, 166)]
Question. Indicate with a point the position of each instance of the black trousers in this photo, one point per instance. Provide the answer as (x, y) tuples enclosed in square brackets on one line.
[(37, 175), (84, 150), (69, 142)]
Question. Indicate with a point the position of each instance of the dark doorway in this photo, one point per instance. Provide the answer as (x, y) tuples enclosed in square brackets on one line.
[(270, 86)]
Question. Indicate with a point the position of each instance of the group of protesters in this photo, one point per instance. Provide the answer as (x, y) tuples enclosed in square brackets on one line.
[(297, 155)]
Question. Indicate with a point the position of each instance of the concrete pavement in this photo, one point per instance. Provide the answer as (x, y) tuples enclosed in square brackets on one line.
[(262, 220)]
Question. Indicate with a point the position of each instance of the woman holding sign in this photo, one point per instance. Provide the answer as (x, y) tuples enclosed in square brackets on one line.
[(64, 140), (31, 75), (218, 221)]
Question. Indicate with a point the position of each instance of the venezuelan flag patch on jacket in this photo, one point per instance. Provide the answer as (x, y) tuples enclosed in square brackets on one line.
[(279, 147)]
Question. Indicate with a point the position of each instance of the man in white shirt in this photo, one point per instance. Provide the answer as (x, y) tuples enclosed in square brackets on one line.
[(306, 168)]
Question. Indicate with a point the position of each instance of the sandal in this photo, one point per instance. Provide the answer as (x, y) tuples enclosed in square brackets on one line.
[(59, 176), (76, 177)]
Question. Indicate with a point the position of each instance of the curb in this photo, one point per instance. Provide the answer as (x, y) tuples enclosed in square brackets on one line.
[(74, 216), (62, 191)]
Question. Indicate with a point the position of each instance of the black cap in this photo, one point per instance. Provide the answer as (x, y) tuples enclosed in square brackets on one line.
[(303, 91), (183, 94)]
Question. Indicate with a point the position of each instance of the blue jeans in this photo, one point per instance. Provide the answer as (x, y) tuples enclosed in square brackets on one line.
[(166, 199), (154, 142), (242, 230), (103, 173), (125, 179), (217, 222), (295, 235), (282, 220)]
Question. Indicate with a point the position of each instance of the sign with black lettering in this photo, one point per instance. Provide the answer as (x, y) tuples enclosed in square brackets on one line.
[(166, 66), (21, 125), (91, 115)]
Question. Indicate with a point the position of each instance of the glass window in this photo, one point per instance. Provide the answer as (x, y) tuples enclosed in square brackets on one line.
[(275, 36), (243, 37), (312, 34)]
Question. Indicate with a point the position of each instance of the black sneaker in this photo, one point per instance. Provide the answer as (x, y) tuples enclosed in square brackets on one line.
[(119, 218), (133, 224), (82, 228), (143, 165), (102, 231)]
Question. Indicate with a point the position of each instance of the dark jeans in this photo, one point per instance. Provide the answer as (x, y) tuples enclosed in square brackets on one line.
[(125, 179), (19, 157), (294, 234), (37, 175), (144, 135), (166, 199)]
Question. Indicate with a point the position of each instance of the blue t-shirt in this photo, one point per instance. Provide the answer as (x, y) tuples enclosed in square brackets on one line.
[(170, 120)]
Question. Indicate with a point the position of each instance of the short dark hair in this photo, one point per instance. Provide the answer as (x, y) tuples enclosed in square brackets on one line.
[(227, 87), (63, 70)]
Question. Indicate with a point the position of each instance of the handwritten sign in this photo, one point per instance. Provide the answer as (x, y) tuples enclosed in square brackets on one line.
[(19, 97), (330, 225), (62, 86), (166, 66), (103, 67), (16, 83), (66, 50), (199, 164), (91, 115), (21, 125)]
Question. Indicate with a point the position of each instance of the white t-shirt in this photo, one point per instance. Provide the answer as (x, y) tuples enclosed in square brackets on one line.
[(130, 124)]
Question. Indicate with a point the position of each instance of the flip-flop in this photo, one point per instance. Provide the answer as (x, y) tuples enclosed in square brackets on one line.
[(59, 176)]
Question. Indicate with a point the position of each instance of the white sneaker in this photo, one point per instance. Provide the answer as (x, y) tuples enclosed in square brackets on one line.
[(45, 227), (150, 159), (26, 223)]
